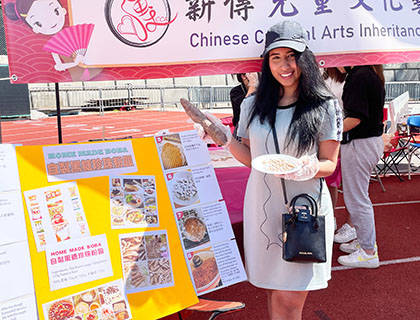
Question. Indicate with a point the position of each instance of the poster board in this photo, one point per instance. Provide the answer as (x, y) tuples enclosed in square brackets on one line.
[(94, 194)]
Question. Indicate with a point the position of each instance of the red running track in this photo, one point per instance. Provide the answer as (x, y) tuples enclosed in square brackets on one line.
[(137, 123), (390, 292)]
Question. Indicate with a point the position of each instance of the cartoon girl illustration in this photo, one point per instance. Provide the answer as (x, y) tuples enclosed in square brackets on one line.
[(67, 46)]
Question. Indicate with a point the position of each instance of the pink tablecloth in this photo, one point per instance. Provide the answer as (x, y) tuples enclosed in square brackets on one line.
[(232, 182)]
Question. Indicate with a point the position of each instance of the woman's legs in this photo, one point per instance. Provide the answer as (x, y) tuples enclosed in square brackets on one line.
[(358, 160), (286, 305)]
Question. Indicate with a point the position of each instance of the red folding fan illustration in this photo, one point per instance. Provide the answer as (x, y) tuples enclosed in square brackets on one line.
[(71, 41)]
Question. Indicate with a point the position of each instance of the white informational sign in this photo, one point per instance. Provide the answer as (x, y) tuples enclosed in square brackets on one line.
[(146, 261), (22, 308), (216, 267), (76, 161), (192, 186), (12, 218), (15, 271), (17, 294), (107, 301), (8, 168), (201, 225), (78, 261), (203, 222), (56, 214), (182, 149), (143, 32)]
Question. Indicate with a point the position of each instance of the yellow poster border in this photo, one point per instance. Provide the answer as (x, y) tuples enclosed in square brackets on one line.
[(94, 193)]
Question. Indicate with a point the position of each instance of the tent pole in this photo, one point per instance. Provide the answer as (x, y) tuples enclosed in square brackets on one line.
[(0, 129), (57, 103)]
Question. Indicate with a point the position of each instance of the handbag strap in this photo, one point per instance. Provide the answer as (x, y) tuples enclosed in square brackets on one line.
[(283, 183), (311, 200)]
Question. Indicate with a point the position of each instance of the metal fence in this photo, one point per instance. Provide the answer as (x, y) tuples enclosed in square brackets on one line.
[(128, 96), (394, 89)]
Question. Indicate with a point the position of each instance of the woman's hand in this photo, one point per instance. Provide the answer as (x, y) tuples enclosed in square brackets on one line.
[(216, 121), (252, 83), (309, 167)]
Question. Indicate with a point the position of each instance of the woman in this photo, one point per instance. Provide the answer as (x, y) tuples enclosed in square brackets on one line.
[(293, 98), (335, 82), (362, 147), (247, 85)]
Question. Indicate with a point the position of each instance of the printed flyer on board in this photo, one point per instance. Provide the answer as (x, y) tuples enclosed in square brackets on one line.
[(56, 214), (78, 261), (8, 168), (202, 218), (17, 299), (133, 202), (106, 302), (146, 261)]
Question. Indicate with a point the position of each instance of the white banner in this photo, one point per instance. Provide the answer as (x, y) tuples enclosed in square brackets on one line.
[(145, 32)]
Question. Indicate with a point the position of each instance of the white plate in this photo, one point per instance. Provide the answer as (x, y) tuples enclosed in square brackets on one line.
[(262, 163)]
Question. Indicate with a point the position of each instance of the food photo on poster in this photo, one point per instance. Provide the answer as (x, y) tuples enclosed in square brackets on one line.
[(183, 189), (146, 261), (106, 302), (133, 202), (193, 229), (204, 270), (171, 151)]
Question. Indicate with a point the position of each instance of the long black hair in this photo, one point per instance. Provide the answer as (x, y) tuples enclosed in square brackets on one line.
[(312, 94)]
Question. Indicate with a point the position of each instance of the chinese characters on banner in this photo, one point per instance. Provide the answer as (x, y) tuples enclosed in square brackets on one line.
[(104, 39)]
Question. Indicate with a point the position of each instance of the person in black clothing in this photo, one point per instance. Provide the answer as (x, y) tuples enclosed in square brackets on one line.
[(361, 148), (247, 85)]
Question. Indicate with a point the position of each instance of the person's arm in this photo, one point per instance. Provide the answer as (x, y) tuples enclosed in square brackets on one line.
[(252, 83), (350, 123), (241, 151), (327, 155)]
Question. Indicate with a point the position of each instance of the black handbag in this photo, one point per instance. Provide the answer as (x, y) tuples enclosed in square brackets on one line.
[(303, 230)]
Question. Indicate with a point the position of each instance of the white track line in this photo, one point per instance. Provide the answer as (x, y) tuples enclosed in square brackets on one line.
[(388, 204), (382, 263)]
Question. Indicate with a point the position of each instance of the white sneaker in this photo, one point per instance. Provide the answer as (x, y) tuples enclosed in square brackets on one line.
[(335, 224), (345, 234), (351, 247), (360, 259)]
